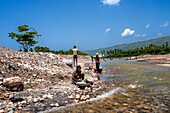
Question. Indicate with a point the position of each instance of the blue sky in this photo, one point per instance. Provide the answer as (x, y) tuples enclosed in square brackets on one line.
[(88, 24)]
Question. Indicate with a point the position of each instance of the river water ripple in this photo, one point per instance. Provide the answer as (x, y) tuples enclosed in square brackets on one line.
[(134, 87)]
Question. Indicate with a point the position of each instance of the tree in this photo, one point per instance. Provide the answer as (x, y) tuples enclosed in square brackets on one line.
[(25, 37), (166, 44), (31, 49)]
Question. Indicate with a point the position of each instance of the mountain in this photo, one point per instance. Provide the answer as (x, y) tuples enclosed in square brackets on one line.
[(125, 47)]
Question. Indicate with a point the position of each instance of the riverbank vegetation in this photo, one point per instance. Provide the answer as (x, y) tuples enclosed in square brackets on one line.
[(46, 49), (151, 49)]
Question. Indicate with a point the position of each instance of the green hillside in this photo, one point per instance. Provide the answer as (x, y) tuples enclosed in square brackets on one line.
[(125, 47)]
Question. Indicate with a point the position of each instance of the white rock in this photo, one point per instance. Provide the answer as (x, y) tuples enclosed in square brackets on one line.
[(23, 102), (77, 96), (57, 105), (19, 108), (1, 111), (83, 98), (35, 100), (71, 96), (48, 96), (52, 105)]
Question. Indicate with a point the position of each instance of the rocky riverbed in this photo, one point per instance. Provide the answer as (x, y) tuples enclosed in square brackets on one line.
[(131, 87), (32, 82), (161, 60)]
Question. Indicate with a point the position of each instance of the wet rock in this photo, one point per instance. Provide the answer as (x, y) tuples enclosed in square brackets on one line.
[(41, 99), (83, 98), (1, 82), (19, 108), (77, 97), (87, 96), (35, 100), (75, 101), (52, 105), (48, 96), (116, 104), (1, 111), (71, 96), (6, 95), (1, 79)]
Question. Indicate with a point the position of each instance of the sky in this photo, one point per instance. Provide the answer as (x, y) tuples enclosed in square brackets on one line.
[(88, 24)]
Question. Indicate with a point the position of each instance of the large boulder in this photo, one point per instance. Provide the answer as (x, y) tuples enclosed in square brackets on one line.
[(13, 83)]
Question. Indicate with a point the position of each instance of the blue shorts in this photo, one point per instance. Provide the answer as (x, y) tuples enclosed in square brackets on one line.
[(75, 56)]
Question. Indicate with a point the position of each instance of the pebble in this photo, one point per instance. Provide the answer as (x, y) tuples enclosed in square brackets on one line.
[(87, 96), (19, 108), (52, 105), (75, 101), (41, 99), (35, 100), (77, 96), (83, 98), (71, 96), (1, 111), (57, 105)]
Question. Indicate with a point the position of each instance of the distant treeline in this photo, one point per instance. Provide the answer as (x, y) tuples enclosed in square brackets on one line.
[(46, 49), (151, 49)]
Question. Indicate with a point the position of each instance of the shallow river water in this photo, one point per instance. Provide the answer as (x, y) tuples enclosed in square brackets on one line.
[(131, 87)]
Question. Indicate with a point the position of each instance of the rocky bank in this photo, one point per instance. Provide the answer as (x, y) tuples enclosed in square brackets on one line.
[(36, 81), (161, 60)]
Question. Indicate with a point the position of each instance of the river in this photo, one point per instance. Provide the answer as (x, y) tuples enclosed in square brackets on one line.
[(131, 87)]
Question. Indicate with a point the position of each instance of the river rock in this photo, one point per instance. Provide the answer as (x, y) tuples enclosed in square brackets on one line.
[(87, 96), (75, 101), (71, 96), (83, 98), (35, 100), (48, 96), (1, 111), (14, 83), (52, 105), (2, 89), (57, 105), (77, 96)]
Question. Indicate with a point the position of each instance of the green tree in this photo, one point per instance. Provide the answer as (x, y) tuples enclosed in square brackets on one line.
[(31, 50), (166, 44), (25, 37)]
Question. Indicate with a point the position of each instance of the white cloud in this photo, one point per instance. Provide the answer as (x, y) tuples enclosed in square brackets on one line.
[(147, 26), (159, 34), (139, 35), (107, 30), (110, 2), (143, 35), (165, 24), (127, 32)]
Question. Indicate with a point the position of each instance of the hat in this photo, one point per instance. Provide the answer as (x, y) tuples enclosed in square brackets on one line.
[(97, 53)]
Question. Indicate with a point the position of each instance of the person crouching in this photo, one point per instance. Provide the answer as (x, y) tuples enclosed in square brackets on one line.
[(77, 75)]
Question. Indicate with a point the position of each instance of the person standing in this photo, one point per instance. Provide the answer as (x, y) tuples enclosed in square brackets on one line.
[(75, 53), (97, 60)]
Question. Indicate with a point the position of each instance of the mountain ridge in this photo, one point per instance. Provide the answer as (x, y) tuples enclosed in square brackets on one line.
[(125, 47)]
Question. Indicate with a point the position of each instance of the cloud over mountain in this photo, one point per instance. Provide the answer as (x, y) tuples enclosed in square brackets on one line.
[(127, 32)]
